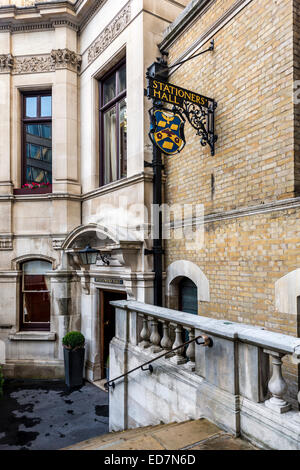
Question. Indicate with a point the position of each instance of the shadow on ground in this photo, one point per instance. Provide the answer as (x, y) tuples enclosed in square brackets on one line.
[(45, 415)]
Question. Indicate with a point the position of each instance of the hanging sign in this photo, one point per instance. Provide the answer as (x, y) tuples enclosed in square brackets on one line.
[(173, 94), (167, 125)]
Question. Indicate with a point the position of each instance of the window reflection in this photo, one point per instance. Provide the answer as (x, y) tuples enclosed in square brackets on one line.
[(123, 138), (38, 139), (35, 295), (109, 89), (122, 79), (114, 126), (46, 106), (31, 106), (110, 146)]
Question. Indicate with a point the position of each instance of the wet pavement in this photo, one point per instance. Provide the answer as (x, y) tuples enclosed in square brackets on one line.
[(45, 415)]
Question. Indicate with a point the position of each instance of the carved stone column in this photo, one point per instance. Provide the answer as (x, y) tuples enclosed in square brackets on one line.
[(6, 187), (6, 66), (190, 352), (145, 334), (155, 337), (166, 342), (67, 64), (178, 357), (277, 385)]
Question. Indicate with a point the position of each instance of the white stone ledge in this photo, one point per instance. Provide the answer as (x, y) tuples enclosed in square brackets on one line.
[(33, 336)]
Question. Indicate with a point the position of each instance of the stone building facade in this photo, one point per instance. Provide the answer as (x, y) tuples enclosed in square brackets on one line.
[(74, 130), (61, 58)]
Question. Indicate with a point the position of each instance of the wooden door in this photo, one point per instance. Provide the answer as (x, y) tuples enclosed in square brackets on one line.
[(107, 325)]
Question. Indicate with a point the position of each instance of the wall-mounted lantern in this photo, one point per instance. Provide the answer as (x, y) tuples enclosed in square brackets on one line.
[(89, 256)]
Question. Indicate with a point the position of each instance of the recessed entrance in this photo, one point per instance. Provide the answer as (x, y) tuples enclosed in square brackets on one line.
[(107, 325)]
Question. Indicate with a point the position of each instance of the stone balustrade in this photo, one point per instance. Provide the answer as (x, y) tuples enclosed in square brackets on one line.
[(237, 383)]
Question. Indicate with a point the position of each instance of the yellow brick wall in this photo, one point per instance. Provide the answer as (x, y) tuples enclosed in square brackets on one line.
[(250, 75)]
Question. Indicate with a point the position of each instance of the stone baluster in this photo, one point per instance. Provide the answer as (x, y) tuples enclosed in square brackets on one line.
[(178, 357), (145, 334), (166, 342), (277, 385), (155, 337), (190, 352)]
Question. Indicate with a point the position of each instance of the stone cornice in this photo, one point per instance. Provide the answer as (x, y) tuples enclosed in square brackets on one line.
[(75, 15), (260, 209), (191, 14)]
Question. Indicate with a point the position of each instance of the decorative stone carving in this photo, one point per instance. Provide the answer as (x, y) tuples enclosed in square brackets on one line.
[(106, 37), (64, 58), (6, 63), (57, 243), (33, 64), (6, 243)]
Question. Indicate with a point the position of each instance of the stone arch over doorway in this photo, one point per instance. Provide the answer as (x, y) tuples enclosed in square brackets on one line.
[(185, 269)]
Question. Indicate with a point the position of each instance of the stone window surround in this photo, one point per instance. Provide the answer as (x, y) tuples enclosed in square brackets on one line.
[(287, 291), (33, 336), (16, 333), (183, 268)]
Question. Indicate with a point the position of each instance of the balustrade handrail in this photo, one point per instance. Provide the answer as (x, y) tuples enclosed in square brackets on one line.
[(207, 342), (251, 334)]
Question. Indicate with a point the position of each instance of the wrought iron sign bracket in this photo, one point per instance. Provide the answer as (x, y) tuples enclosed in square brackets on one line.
[(202, 120)]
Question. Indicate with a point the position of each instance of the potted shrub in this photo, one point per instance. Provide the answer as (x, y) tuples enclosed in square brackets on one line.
[(73, 344)]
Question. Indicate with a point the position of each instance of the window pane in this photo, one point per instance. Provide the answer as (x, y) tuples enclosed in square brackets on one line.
[(34, 151), (46, 131), (31, 106), (122, 79), (36, 307), (109, 89), (38, 148), (34, 282), (110, 146), (37, 267), (46, 106), (47, 154), (123, 138)]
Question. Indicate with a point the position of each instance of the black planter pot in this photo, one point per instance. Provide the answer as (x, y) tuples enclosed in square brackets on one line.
[(74, 362)]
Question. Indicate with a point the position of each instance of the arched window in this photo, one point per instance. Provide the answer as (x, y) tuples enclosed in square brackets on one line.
[(35, 296), (188, 296)]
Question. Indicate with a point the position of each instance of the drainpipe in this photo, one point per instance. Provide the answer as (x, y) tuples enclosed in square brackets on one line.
[(157, 70)]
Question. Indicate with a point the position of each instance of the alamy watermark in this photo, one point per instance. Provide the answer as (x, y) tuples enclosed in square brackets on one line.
[(128, 221)]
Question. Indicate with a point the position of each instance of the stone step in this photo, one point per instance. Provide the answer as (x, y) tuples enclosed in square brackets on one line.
[(199, 435), (116, 436)]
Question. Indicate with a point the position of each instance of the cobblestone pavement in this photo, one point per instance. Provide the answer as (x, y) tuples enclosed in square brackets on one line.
[(45, 415)]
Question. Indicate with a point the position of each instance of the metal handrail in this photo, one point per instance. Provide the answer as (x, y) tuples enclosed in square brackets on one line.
[(207, 342)]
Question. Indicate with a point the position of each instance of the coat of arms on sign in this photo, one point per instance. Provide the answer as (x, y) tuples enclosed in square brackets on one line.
[(167, 131)]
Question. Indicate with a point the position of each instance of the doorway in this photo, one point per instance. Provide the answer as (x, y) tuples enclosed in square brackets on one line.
[(188, 299), (107, 325), (188, 296)]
